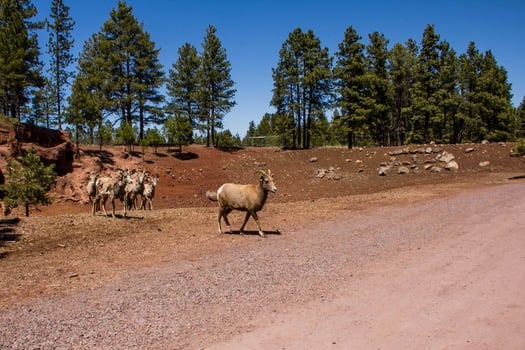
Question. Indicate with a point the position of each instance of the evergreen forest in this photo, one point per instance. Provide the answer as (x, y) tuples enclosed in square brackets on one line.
[(370, 92)]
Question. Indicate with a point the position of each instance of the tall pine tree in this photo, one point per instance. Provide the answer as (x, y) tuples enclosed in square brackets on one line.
[(425, 98), (401, 65), (302, 83), (59, 48), (216, 92), (377, 89), (349, 75), (183, 87), (20, 67)]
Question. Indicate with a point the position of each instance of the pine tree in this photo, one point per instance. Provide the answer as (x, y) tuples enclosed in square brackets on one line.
[(402, 60), (20, 68), (59, 48), (28, 181), (469, 117), (377, 91), (216, 92), (88, 99), (183, 86), (425, 99), (495, 97), (302, 83), (446, 128), (349, 74), (520, 114)]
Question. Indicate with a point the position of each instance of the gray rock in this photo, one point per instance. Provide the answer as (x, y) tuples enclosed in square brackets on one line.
[(403, 170)]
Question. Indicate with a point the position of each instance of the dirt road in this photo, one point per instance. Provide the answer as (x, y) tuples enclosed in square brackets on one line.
[(444, 272), (464, 288)]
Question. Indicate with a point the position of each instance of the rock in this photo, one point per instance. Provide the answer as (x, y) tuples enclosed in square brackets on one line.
[(383, 170), (313, 159), (484, 163), (469, 150), (446, 157), (452, 166), (403, 170)]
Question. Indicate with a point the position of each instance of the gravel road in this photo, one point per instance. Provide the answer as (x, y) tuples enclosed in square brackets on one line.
[(443, 273)]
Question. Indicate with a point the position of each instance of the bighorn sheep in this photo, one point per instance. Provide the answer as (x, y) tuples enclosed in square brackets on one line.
[(132, 190), (91, 187), (248, 198), (111, 188), (149, 192)]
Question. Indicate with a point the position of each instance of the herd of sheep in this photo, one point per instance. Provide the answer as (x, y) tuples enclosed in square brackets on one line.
[(128, 186)]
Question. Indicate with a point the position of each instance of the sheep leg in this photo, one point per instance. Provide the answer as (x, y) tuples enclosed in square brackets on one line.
[(113, 207), (241, 230), (126, 204), (223, 213), (103, 199), (94, 206), (256, 218)]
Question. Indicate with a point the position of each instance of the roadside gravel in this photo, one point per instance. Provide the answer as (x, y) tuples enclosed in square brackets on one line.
[(194, 303)]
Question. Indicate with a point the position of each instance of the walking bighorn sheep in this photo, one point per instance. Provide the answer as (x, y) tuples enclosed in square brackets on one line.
[(248, 198), (91, 187), (111, 188), (132, 190), (149, 192)]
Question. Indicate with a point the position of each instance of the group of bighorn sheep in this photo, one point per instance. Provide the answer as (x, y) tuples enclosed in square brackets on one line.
[(126, 185)]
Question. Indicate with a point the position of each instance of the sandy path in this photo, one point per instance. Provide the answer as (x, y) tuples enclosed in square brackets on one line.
[(439, 273), (465, 291)]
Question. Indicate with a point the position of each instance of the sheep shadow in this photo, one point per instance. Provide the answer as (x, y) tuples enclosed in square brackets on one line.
[(252, 233), (119, 216)]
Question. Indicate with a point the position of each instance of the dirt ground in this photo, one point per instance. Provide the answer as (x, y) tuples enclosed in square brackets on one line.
[(61, 251)]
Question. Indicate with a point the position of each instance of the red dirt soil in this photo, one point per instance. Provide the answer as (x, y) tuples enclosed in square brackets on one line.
[(61, 249)]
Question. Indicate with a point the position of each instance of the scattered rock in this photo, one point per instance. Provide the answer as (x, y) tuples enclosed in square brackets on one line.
[(383, 170), (469, 150), (313, 159), (484, 163), (403, 170), (446, 157), (452, 166)]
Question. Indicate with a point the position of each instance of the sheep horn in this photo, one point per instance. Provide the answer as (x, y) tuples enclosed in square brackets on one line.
[(260, 171)]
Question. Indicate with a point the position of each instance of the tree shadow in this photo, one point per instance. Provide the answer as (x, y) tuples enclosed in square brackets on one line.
[(7, 233), (104, 156), (230, 149), (185, 155)]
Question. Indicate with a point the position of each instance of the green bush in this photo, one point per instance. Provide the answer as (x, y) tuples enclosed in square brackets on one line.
[(519, 149)]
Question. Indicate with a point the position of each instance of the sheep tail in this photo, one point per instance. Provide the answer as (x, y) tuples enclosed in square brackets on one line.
[(212, 196)]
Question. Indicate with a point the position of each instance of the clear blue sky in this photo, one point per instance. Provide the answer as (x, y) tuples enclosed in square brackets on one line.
[(252, 32)]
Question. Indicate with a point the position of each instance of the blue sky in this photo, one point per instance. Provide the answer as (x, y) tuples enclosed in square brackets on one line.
[(253, 32)]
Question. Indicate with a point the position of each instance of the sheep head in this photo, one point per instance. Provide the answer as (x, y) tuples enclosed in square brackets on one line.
[(266, 180)]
